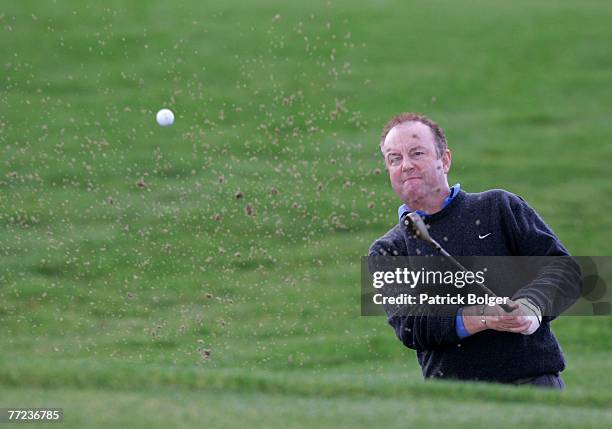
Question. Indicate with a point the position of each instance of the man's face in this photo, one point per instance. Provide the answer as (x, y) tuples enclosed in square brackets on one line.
[(415, 170)]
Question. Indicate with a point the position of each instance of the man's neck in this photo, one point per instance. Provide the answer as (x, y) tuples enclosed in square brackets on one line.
[(431, 203)]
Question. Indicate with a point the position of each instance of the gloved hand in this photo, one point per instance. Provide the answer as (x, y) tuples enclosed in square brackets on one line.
[(531, 311)]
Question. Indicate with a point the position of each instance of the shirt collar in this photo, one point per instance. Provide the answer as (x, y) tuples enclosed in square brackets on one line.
[(454, 191)]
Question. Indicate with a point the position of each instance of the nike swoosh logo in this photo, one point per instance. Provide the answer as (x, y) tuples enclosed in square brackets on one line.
[(484, 236)]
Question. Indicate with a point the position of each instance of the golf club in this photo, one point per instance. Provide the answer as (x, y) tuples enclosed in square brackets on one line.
[(414, 223)]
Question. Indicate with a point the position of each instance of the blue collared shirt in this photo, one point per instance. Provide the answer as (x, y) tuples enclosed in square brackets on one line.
[(459, 326), (454, 191), (403, 209)]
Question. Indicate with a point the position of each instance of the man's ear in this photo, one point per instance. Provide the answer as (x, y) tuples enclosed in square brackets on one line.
[(446, 161)]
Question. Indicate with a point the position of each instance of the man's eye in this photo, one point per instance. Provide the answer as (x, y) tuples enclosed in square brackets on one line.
[(395, 160)]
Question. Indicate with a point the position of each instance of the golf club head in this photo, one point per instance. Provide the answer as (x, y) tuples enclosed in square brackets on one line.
[(416, 225)]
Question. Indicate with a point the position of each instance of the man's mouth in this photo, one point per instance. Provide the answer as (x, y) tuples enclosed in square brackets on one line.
[(411, 178)]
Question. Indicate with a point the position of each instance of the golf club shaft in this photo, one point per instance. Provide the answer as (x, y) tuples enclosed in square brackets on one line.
[(456, 263), (415, 222)]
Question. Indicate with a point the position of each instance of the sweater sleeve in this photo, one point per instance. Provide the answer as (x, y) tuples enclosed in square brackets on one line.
[(422, 327), (558, 283), (426, 331)]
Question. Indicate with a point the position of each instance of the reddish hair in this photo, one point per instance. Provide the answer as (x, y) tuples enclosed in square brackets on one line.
[(438, 132)]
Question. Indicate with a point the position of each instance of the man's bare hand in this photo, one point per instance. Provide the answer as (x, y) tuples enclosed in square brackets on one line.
[(496, 318)]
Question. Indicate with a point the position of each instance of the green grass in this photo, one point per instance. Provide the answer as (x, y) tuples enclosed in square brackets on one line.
[(165, 407), (110, 290)]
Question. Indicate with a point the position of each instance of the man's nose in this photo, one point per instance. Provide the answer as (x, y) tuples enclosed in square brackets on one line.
[(407, 164)]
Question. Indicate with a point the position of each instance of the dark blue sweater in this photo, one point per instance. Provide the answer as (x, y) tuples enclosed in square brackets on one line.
[(515, 230)]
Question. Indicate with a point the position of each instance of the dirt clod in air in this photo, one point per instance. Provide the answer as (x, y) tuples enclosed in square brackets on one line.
[(205, 353)]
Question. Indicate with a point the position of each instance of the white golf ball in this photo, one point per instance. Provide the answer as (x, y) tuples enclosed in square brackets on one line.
[(165, 117)]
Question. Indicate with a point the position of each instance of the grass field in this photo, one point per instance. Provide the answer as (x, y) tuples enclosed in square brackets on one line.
[(209, 272)]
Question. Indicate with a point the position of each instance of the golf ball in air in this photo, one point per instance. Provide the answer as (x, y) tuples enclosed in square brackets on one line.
[(165, 117)]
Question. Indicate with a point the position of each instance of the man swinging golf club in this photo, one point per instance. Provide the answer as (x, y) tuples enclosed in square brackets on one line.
[(513, 344)]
